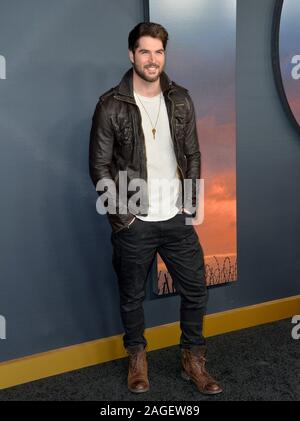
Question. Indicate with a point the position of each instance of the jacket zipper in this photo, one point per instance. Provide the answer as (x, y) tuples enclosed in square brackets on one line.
[(116, 178), (135, 134), (144, 141), (134, 103)]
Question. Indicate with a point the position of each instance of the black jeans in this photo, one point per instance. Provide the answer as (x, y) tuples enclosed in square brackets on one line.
[(134, 249)]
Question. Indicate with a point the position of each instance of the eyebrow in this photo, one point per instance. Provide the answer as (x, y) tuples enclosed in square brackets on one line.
[(144, 49)]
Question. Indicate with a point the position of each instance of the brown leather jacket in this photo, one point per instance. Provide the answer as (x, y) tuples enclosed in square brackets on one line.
[(117, 141)]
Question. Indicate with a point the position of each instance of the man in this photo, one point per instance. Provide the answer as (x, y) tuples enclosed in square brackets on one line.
[(146, 127)]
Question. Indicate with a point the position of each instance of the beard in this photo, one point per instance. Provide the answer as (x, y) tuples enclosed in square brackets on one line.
[(143, 75)]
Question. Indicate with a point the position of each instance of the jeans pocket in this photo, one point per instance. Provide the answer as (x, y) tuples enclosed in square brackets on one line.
[(129, 227), (132, 222)]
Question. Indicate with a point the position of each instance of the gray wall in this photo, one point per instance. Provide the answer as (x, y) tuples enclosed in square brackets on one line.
[(57, 284)]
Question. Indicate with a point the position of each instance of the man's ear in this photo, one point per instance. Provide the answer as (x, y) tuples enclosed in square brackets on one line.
[(131, 56)]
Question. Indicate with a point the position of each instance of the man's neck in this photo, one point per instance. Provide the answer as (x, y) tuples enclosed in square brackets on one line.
[(144, 88)]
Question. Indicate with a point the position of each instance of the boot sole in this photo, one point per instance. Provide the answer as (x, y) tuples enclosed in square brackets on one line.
[(138, 391), (189, 379)]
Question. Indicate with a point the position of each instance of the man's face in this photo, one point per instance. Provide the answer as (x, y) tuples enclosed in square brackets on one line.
[(148, 59)]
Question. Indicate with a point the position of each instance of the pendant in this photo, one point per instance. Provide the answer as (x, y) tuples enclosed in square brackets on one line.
[(153, 132)]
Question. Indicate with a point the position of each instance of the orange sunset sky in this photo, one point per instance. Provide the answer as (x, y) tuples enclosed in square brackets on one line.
[(217, 233)]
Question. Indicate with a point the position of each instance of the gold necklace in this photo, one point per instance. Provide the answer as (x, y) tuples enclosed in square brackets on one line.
[(153, 127)]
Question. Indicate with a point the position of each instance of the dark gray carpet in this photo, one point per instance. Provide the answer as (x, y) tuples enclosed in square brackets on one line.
[(260, 363)]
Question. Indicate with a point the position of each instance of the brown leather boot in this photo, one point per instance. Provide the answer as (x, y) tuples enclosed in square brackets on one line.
[(193, 368), (138, 370)]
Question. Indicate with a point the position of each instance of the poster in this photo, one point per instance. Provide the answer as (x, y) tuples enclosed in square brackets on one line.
[(200, 56)]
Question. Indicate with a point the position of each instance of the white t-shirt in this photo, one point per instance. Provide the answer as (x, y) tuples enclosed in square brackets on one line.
[(163, 179)]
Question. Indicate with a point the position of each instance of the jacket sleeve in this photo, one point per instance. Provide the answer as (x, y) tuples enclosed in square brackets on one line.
[(101, 145), (193, 156), (100, 160)]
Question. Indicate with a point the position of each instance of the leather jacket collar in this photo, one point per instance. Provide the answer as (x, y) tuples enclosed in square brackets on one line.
[(126, 85)]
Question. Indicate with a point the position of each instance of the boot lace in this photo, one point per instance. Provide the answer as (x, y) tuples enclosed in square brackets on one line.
[(137, 362)]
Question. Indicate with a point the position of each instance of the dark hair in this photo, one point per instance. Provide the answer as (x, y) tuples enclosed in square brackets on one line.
[(147, 29)]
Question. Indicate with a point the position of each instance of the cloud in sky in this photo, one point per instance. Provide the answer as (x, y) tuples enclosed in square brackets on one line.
[(217, 145), (218, 231)]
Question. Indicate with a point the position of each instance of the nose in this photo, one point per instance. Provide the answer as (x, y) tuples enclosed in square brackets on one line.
[(152, 58)]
